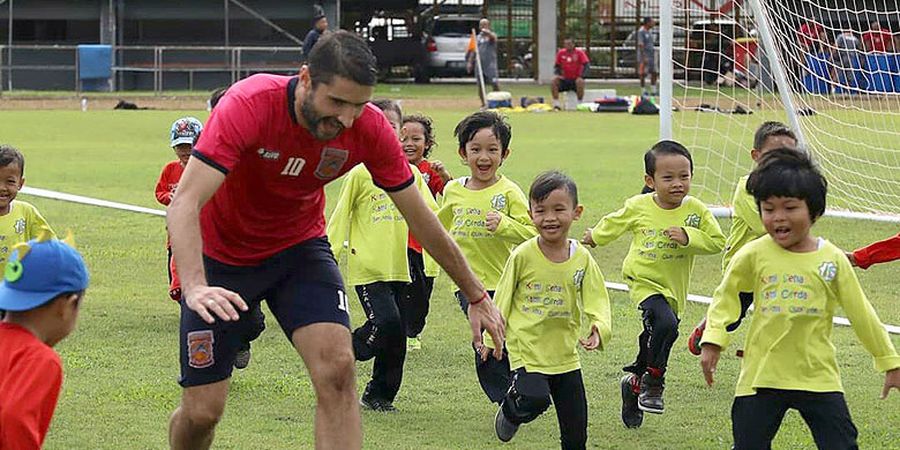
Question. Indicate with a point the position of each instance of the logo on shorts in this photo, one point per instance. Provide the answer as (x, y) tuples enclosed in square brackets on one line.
[(200, 349), (330, 164), (498, 202), (828, 270)]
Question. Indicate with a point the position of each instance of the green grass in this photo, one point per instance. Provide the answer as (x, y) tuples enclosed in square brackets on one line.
[(121, 362)]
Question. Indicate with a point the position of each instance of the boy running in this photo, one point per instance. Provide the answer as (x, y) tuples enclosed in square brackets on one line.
[(550, 284), (669, 228), (798, 282)]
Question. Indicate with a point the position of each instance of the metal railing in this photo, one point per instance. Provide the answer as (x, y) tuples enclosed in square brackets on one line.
[(60, 64)]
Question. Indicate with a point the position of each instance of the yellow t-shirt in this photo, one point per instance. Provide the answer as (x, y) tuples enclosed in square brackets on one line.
[(375, 231), (22, 224), (746, 224), (655, 264), (545, 303), (463, 214), (788, 345)]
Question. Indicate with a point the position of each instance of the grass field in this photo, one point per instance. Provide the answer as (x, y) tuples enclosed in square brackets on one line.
[(121, 362)]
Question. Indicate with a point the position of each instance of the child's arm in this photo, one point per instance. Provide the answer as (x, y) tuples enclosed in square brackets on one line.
[(515, 227), (879, 252), (596, 303), (864, 320), (708, 239), (163, 194), (36, 224), (725, 309), (338, 229), (609, 228)]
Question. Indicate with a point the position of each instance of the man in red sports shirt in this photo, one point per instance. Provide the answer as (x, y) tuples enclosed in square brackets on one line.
[(877, 39), (571, 66), (248, 224)]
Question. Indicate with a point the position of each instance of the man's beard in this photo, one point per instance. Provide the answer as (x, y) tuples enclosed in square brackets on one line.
[(313, 119)]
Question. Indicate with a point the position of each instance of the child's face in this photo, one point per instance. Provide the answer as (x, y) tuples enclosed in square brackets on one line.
[(10, 182), (554, 215), (671, 181), (183, 152), (412, 136), (394, 119), (771, 143), (787, 220), (483, 154)]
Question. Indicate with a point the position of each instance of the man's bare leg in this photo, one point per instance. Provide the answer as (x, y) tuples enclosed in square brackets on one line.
[(193, 423)]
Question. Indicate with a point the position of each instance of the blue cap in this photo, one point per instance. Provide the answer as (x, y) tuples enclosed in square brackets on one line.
[(45, 269), (185, 130)]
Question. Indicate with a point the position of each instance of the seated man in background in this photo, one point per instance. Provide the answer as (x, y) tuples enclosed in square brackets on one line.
[(570, 67)]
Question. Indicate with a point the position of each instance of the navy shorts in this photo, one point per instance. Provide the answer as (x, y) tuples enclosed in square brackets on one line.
[(301, 285), (566, 84)]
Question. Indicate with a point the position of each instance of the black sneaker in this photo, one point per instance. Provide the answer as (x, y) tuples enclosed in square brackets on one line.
[(242, 359), (504, 428), (651, 397), (375, 404), (632, 416)]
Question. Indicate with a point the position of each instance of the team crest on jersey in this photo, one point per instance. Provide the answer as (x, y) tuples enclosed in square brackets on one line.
[(828, 270), (692, 220), (578, 277), (427, 177), (200, 349), (269, 155), (19, 226), (332, 161), (498, 202)]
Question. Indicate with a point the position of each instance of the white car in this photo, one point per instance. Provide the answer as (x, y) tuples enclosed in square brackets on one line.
[(447, 42)]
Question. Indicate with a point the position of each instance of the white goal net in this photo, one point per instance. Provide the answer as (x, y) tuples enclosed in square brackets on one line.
[(830, 69)]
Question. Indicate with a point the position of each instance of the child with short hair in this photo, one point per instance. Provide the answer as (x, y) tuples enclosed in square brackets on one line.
[(377, 266), (669, 229), (745, 223), (486, 213), (42, 289), (550, 285), (417, 138), (798, 282), (19, 221)]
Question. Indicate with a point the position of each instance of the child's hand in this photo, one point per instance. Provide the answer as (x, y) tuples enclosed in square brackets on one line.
[(891, 381), (441, 170), (709, 359), (492, 221), (677, 234), (592, 341), (851, 258), (588, 239)]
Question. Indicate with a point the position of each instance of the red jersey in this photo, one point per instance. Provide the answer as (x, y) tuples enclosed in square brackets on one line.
[(168, 181), (810, 33), (572, 63), (877, 40), (275, 170), (879, 252), (435, 185), (30, 380)]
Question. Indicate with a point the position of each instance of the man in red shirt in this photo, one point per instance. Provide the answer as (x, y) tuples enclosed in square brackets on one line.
[(877, 39), (810, 36), (570, 67), (42, 289), (248, 224)]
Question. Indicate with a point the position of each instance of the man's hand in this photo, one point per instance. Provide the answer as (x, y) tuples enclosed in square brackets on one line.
[(592, 341), (588, 239), (492, 220), (891, 381), (677, 234), (709, 359), (484, 315), (205, 300)]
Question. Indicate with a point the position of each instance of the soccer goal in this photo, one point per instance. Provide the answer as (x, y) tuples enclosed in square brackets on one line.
[(828, 68)]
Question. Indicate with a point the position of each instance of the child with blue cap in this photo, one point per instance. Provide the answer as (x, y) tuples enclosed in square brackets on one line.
[(42, 288)]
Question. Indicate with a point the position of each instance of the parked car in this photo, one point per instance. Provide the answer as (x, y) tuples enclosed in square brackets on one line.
[(446, 43), (395, 42)]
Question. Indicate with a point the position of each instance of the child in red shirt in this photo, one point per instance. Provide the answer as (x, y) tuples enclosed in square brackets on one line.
[(183, 135), (41, 292), (417, 137), (880, 252)]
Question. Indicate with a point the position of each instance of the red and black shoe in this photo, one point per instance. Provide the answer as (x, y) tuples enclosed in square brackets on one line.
[(694, 339)]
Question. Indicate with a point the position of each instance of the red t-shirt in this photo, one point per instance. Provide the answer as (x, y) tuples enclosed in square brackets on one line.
[(168, 181), (876, 40), (30, 379), (879, 252), (572, 63), (810, 33), (273, 197), (435, 185)]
